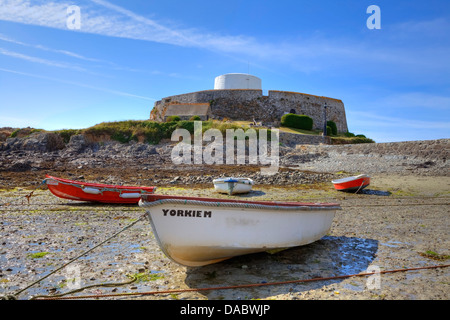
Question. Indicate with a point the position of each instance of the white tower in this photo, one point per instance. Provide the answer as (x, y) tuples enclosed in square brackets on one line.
[(237, 81)]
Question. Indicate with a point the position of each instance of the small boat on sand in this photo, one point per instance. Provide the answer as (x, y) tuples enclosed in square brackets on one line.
[(231, 185), (196, 231), (97, 192), (352, 184)]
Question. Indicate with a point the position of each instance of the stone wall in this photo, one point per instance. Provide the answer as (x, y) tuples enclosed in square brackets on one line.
[(249, 105), (428, 157), (425, 149), (293, 139)]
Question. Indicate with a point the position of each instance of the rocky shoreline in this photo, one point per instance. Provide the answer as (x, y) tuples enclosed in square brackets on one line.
[(152, 164)]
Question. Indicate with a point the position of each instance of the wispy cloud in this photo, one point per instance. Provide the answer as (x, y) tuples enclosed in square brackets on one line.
[(40, 60), (115, 92), (42, 13), (308, 54), (107, 19), (98, 62), (41, 47)]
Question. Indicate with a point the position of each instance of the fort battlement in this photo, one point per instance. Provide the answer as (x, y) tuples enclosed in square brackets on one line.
[(251, 104)]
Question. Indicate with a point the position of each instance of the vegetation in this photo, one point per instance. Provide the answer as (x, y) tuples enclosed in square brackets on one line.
[(14, 133), (154, 132), (333, 128), (126, 131), (38, 255), (297, 121), (349, 140), (146, 276), (24, 132), (67, 133), (435, 256), (173, 118)]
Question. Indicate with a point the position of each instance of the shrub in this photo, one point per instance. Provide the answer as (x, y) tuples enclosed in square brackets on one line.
[(67, 133), (188, 125), (297, 121), (195, 118), (123, 136), (333, 127), (173, 118), (361, 140), (329, 131), (153, 135), (14, 133), (349, 134)]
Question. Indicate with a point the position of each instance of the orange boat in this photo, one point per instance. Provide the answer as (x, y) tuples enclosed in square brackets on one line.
[(96, 192), (352, 184)]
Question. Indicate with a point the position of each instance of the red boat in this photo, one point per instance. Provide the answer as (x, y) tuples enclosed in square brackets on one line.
[(352, 184), (96, 192)]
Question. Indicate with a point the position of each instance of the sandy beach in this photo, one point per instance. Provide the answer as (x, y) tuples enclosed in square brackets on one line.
[(400, 221), (390, 226)]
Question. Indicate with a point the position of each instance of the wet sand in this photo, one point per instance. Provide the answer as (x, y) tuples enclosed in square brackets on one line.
[(392, 225)]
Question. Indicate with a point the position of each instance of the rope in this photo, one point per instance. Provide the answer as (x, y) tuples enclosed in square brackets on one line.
[(364, 180), (79, 256), (252, 285), (108, 285), (28, 196)]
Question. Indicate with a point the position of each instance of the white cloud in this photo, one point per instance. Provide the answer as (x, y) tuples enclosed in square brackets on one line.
[(41, 47), (308, 54), (48, 14), (397, 55), (40, 60)]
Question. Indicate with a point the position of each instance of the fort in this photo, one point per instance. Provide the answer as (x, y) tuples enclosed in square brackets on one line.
[(239, 96)]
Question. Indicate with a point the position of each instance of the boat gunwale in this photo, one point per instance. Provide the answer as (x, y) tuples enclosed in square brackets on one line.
[(216, 202), (350, 179), (101, 185), (240, 180)]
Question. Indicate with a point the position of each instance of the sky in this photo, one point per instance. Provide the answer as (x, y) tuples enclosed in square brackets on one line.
[(73, 64)]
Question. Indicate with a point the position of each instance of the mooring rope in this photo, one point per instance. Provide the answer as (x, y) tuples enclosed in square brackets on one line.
[(362, 183), (28, 196), (133, 278), (12, 296), (243, 286)]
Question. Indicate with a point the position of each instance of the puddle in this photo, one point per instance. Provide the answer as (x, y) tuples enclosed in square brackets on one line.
[(375, 192), (328, 257), (393, 244)]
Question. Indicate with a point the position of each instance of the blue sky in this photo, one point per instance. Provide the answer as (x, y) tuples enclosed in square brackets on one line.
[(394, 81)]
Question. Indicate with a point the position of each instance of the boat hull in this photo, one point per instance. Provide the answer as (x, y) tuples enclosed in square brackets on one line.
[(233, 185), (95, 192), (197, 231), (352, 184)]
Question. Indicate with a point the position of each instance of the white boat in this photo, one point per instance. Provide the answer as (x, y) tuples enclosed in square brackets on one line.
[(231, 185), (200, 231)]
